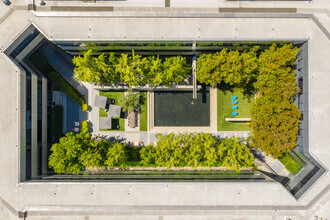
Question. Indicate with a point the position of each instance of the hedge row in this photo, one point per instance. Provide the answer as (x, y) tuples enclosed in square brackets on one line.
[(75, 152)]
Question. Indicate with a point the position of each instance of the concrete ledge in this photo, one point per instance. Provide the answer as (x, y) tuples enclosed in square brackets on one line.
[(258, 10), (238, 119), (80, 8)]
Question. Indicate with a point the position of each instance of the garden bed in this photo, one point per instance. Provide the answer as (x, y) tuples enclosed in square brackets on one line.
[(292, 166)]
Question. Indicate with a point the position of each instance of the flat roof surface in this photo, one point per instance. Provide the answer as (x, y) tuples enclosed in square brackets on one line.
[(230, 200)]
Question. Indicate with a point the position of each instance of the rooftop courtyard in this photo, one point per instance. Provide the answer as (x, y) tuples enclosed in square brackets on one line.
[(304, 195)]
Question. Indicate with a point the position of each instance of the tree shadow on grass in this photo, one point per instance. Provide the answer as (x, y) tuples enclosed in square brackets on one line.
[(143, 100), (247, 91)]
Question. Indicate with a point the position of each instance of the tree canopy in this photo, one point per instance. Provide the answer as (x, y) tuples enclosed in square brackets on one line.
[(130, 101), (76, 151), (234, 68), (197, 149), (275, 118), (134, 70)]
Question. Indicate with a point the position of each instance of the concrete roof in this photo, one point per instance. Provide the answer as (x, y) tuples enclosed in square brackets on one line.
[(100, 101), (99, 200), (105, 123), (114, 111)]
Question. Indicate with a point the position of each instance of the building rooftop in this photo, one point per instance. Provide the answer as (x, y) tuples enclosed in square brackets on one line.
[(197, 20)]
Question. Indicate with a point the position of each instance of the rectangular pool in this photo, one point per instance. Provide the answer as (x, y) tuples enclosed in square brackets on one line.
[(178, 108)]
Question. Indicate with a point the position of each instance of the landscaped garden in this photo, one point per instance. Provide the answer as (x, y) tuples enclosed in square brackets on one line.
[(77, 151), (266, 74), (269, 74), (224, 110), (117, 96)]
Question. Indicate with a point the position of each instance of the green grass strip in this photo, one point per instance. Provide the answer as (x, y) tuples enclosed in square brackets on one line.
[(143, 112), (292, 166)]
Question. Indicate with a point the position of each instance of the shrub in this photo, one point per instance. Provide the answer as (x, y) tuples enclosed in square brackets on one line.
[(85, 107), (84, 127), (130, 101)]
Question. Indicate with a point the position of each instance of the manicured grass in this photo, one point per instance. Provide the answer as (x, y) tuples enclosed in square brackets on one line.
[(58, 122), (116, 95), (224, 106), (292, 166), (143, 112), (59, 83)]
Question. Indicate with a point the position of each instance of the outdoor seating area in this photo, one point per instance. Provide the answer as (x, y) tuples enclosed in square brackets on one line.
[(134, 143), (114, 111), (100, 101), (105, 123), (77, 126), (138, 143), (233, 110), (234, 101), (110, 110), (132, 119)]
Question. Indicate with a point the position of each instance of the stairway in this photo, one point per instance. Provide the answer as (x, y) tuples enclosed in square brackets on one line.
[(60, 61)]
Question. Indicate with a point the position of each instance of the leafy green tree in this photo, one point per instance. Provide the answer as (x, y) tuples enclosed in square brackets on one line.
[(130, 101), (134, 70), (276, 77), (209, 67), (148, 155), (274, 126), (76, 151), (234, 154), (116, 155), (199, 148), (196, 149), (65, 156), (174, 70), (155, 72), (169, 152), (95, 69), (91, 156), (85, 70), (131, 68), (275, 119), (233, 68)]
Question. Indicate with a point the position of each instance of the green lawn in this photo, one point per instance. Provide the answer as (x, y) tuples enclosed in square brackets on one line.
[(292, 166), (143, 112), (224, 104), (58, 122), (116, 95)]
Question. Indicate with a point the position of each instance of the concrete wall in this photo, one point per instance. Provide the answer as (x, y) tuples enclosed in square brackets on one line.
[(22, 123), (34, 125), (44, 126)]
